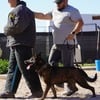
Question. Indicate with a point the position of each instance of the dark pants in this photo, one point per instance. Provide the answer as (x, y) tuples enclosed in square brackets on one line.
[(17, 68), (62, 52)]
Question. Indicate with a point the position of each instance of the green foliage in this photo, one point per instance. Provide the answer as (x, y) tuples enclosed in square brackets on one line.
[(89, 64), (3, 66)]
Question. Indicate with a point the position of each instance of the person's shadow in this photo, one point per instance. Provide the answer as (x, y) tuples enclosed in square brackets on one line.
[(87, 97)]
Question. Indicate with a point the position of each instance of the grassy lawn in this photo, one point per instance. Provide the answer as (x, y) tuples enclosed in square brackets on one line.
[(88, 64), (83, 65)]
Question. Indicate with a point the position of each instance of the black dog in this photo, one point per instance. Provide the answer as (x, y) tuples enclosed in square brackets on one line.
[(55, 75)]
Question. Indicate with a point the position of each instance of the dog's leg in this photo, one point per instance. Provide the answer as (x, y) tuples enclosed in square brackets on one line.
[(54, 91), (46, 91), (84, 84), (72, 87)]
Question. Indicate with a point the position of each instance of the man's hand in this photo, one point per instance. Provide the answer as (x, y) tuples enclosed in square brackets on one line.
[(70, 37)]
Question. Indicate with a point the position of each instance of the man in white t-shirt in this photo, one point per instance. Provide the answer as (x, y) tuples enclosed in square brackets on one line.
[(67, 22)]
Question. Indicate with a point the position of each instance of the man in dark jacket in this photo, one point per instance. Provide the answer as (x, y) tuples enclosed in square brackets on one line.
[(21, 34)]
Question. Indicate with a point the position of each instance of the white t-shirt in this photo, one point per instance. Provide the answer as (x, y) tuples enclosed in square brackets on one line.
[(63, 23)]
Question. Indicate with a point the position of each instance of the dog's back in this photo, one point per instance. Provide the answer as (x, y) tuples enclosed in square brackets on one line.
[(59, 74)]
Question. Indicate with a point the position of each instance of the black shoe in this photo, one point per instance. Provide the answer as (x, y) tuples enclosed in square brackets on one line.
[(36, 95), (7, 95)]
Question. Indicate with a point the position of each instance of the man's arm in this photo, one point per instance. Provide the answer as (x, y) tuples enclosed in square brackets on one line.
[(78, 26), (42, 16), (76, 29)]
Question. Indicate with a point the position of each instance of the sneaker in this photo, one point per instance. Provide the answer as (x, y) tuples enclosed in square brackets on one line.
[(69, 93), (7, 95)]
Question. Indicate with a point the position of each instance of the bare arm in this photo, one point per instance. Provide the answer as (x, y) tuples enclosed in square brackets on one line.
[(78, 26), (42, 16), (76, 30)]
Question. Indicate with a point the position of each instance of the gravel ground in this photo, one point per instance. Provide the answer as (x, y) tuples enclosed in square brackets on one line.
[(82, 94)]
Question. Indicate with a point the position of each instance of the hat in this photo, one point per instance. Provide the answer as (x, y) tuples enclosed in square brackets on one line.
[(18, 0), (58, 1)]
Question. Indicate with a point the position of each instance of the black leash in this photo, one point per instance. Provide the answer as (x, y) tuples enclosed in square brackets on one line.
[(68, 46), (74, 47)]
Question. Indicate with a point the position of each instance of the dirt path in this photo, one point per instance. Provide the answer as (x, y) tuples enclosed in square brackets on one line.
[(83, 94)]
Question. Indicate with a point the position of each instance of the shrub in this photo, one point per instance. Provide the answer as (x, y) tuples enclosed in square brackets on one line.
[(3, 66)]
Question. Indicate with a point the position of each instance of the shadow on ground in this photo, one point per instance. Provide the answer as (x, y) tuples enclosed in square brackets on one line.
[(87, 97)]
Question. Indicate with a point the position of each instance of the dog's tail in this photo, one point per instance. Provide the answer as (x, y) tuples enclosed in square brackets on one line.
[(89, 79)]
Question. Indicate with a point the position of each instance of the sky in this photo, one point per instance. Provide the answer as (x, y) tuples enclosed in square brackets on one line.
[(84, 6)]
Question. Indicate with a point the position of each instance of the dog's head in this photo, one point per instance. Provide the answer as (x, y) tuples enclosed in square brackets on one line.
[(35, 62)]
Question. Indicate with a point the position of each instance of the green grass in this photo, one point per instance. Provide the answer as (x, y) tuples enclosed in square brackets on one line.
[(90, 64), (3, 66), (83, 65)]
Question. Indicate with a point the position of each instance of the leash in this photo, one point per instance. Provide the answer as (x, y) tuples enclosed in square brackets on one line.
[(74, 47), (68, 46)]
